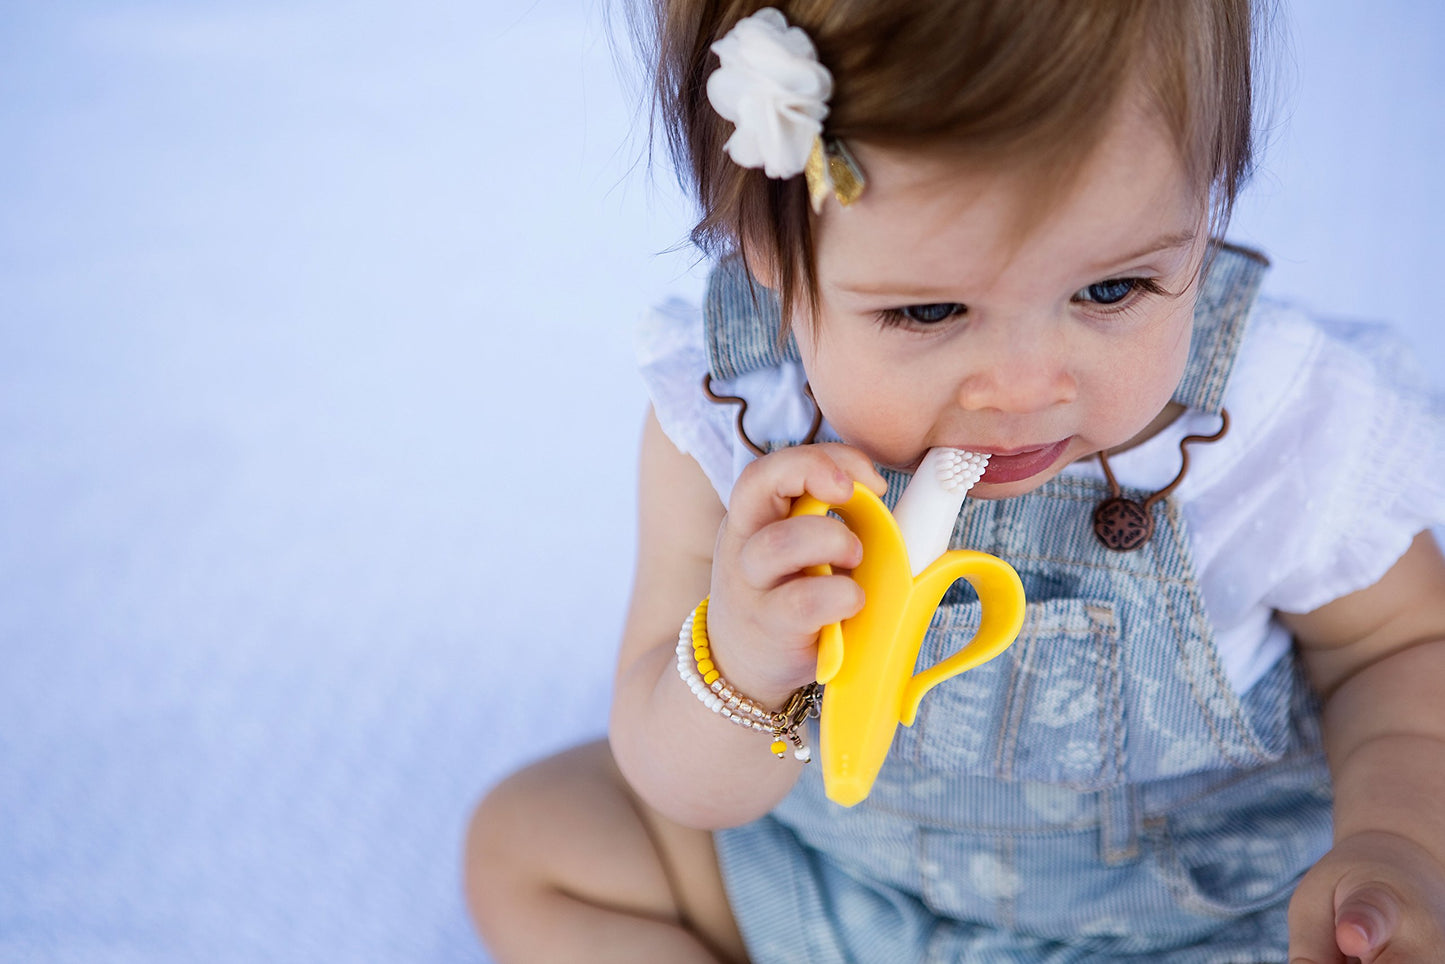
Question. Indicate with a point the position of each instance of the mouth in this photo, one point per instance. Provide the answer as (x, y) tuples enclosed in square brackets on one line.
[(1015, 465), (1007, 465)]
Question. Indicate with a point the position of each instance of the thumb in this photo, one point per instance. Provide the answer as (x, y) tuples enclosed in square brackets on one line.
[(1365, 920)]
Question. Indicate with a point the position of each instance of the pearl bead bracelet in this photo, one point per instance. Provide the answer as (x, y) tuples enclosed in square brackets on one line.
[(700, 673)]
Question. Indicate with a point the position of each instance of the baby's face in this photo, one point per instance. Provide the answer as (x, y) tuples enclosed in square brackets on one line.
[(939, 326)]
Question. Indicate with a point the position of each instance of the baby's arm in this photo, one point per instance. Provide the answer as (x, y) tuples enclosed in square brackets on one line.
[(1378, 658), (763, 619)]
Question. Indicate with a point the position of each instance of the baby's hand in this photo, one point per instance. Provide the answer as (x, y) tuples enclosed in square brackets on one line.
[(1377, 898), (764, 614)]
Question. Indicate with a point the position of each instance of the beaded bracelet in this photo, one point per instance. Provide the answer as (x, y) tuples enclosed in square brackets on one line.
[(695, 666)]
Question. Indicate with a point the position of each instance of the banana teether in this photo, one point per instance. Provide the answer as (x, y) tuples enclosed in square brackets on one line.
[(868, 661)]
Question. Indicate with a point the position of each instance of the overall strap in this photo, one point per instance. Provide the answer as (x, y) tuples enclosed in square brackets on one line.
[(1231, 282), (742, 320)]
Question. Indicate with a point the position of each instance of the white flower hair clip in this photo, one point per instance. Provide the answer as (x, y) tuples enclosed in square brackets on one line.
[(775, 92)]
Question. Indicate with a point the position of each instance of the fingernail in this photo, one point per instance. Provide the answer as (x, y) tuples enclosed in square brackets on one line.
[(1364, 931)]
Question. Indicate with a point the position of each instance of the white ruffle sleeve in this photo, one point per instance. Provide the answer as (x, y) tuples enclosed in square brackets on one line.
[(1339, 464), (672, 358), (1377, 475)]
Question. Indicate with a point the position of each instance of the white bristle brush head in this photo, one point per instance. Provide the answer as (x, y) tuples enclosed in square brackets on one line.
[(960, 470)]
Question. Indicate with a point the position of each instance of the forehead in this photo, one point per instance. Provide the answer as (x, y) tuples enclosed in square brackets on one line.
[(931, 215)]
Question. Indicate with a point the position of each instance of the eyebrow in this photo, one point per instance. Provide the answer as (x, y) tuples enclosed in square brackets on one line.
[(1165, 242), (905, 290)]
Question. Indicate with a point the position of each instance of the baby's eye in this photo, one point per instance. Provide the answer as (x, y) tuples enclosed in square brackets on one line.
[(924, 314), (1109, 292)]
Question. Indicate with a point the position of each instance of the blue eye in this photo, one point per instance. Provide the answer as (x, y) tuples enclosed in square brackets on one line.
[(1109, 292), (931, 314)]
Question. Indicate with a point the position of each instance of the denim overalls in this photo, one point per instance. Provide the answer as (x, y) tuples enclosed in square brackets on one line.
[(1096, 793)]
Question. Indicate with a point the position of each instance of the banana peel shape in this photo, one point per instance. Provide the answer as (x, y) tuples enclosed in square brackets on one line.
[(867, 662)]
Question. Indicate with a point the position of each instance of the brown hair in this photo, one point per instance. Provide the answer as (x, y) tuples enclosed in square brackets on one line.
[(1030, 83)]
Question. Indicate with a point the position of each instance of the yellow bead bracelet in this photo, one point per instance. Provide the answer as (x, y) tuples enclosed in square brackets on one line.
[(697, 669)]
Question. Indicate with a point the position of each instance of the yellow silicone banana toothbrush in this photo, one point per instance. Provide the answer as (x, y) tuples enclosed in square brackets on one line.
[(868, 661)]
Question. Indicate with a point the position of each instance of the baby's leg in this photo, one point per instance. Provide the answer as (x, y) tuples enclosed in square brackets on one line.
[(564, 863)]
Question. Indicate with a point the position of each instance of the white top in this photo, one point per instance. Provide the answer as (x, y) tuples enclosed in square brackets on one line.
[(1334, 461)]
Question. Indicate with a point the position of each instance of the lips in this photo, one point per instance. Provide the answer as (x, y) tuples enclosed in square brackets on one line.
[(1019, 464)]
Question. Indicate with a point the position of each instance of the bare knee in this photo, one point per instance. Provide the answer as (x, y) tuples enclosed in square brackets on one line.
[(497, 841), (512, 846), (564, 840)]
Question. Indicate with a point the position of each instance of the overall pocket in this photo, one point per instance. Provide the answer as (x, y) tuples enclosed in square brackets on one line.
[(1048, 709), (1244, 847)]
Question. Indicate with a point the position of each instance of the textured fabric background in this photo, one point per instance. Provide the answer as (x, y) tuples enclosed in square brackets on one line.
[(316, 426)]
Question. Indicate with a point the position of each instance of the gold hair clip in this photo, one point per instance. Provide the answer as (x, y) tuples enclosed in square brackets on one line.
[(832, 170)]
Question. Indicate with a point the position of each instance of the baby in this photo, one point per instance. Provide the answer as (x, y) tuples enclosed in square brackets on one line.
[(992, 225)]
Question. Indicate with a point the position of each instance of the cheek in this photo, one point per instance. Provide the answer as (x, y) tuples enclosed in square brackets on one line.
[(1137, 384), (1167, 370), (861, 394), (1165, 363), (833, 366), (1175, 353), (835, 380)]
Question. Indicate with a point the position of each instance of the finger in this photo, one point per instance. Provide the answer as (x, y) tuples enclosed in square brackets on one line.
[(1312, 922), (765, 490), (1365, 921), (783, 549), (801, 607), (858, 466)]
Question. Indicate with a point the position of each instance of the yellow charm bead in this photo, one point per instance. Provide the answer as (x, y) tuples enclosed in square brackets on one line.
[(707, 683)]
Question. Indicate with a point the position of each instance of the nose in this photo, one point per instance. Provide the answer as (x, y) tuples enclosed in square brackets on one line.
[(1018, 371)]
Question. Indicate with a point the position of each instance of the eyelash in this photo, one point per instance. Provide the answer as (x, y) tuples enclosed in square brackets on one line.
[(895, 317), (1138, 286)]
